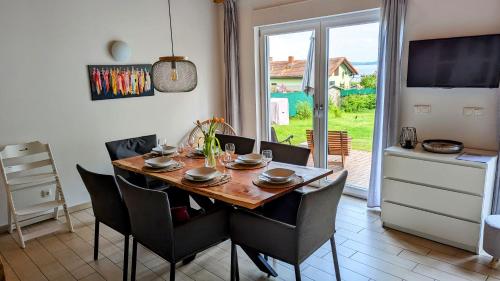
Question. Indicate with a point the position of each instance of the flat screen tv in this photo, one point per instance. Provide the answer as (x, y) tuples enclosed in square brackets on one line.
[(461, 62)]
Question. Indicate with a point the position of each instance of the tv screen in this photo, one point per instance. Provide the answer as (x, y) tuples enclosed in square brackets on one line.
[(461, 62)]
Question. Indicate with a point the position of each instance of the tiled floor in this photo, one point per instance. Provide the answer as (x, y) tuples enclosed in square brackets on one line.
[(366, 251)]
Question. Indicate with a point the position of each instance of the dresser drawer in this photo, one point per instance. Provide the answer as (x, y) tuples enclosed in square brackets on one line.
[(453, 177), (443, 229), (455, 204)]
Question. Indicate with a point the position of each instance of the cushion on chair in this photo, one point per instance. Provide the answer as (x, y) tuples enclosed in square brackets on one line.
[(201, 232), (264, 235)]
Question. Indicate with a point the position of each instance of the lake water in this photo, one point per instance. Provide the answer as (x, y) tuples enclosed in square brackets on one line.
[(365, 69)]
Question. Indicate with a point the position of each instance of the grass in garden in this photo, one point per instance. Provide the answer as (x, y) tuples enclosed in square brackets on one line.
[(359, 126)]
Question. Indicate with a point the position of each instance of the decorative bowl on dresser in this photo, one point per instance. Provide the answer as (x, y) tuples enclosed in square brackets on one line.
[(436, 196)]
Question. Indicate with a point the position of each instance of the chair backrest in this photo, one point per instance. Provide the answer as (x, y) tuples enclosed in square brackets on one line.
[(150, 218), (339, 142), (310, 140), (27, 165), (107, 201), (125, 148), (274, 136), (243, 145), (287, 153), (316, 215), (196, 136)]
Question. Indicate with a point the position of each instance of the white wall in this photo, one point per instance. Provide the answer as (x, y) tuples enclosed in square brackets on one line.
[(45, 96), (264, 12), (428, 19)]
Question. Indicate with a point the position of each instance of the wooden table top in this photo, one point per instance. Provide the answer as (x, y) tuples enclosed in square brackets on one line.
[(239, 191)]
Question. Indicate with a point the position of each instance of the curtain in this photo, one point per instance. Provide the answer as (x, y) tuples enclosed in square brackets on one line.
[(232, 63), (495, 208), (308, 77), (386, 129)]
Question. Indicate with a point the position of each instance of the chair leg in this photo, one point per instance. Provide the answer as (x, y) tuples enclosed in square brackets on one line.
[(10, 222), (96, 240), (134, 259), (125, 258), (235, 275), (172, 271), (297, 272), (335, 258)]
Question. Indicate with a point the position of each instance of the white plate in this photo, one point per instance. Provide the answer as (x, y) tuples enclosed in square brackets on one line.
[(252, 158), (201, 173), (279, 174), (160, 162), (165, 150), (188, 177), (267, 180), (239, 161)]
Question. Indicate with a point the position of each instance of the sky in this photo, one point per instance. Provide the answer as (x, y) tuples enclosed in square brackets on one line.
[(359, 43)]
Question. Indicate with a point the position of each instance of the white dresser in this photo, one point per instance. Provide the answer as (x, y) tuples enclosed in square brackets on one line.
[(436, 196)]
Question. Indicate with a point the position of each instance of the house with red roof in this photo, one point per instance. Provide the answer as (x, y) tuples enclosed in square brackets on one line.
[(286, 76)]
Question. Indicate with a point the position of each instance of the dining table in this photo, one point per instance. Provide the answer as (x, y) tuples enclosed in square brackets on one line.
[(240, 191)]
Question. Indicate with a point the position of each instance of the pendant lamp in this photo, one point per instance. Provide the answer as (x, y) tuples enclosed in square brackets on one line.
[(174, 73)]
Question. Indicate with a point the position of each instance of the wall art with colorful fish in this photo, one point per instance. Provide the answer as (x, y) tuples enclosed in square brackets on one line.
[(120, 81)]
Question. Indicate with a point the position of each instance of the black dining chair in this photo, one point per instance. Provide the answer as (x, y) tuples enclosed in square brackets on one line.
[(130, 147), (291, 243), (109, 209), (287, 153), (153, 227), (242, 145)]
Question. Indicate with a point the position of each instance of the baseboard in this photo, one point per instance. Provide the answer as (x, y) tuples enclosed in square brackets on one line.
[(72, 209)]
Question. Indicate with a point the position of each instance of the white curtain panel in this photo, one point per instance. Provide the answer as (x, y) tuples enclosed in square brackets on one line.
[(392, 20), (495, 208), (232, 63), (308, 77)]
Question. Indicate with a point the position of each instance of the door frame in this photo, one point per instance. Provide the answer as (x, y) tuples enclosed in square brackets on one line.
[(321, 27), (264, 33)]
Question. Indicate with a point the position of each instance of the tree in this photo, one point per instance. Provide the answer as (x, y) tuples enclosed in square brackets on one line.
[(369, 81)]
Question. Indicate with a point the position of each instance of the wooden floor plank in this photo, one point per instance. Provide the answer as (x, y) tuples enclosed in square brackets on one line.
[(10, 275), (17, 259), (443, 266)]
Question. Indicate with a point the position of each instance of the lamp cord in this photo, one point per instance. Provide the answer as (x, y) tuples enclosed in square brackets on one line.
[(171, 33)]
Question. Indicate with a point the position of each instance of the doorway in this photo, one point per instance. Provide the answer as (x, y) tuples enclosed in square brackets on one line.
[(332, 113)]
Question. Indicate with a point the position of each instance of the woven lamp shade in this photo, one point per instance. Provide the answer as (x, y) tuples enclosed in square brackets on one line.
[(186, 79)]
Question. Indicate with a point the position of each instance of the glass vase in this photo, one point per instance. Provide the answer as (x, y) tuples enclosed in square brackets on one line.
[(210, 152)]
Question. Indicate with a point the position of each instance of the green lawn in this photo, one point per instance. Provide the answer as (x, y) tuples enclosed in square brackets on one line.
[(358, 125)]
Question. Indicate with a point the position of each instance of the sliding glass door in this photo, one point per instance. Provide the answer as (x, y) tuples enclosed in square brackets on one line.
[(317, 90)]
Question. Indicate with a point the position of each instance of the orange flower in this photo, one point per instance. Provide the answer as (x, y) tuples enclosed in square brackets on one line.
[(222, 120), (216, 120)]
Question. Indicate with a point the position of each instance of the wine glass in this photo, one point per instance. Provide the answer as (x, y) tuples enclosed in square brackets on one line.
[(224, 159), (267, 156), (230, 148), (162, 144)]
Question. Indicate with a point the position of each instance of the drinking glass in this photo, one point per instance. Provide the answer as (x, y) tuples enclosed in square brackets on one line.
[(224, 159), (181, 148), (267, 156), (162, 143), (230, 148)]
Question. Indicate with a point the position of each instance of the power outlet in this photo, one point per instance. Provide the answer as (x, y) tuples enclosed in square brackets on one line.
[(45, 193), (422, 108)]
